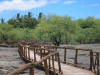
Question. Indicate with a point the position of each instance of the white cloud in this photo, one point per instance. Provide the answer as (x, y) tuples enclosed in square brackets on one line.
[(54, 1), (69, 2), (91, 5), (22, 4), (94, 5)]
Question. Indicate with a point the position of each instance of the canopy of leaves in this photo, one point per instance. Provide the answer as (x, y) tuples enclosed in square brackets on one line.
[(26, 21), (51, 28)]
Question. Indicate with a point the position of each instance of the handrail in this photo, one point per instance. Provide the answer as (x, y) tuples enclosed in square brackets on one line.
[(53, 55), (24, 51), (94, 57), (22, 68), (70, 48), (64, 47), (26, 66)]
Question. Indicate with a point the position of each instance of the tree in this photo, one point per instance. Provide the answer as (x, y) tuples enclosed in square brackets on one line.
[(2, 21), (29, 22), (29, 15), (40, 15), (18, 16), (4, 29), (26, 21), (11, 21), (87, 23), (17, 22), (56, 29), (51, 28)]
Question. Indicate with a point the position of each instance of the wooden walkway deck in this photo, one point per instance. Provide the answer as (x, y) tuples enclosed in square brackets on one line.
[(50, 61), (66, 69)]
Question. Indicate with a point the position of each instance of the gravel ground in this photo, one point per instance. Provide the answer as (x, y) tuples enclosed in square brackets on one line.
[(83, 56), (10, 60)]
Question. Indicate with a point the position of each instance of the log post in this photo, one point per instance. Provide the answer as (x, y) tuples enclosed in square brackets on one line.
[(98, 65), (76, 54), (29, 53), (55, 54), (53, 65), (49, 61), (65, 55), (91, 60), (46, 67), (44, 51), (59, 65), (32, 70), (34, 51), (26, 52), (40, 53), (23, 51)]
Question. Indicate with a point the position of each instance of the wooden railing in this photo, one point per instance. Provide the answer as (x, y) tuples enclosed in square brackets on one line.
[(48, 56), (47, 61), (94, 57), (96, 63)]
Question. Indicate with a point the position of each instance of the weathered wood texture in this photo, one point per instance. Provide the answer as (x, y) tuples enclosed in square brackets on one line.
[(51, 61)]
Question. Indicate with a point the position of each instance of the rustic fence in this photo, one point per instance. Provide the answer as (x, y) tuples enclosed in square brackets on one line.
[(48, 55), (47, 61), (96, 63), (94, 57)]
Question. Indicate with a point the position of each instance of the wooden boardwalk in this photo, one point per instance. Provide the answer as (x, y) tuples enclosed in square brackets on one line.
[(50, 61), (66, 69)]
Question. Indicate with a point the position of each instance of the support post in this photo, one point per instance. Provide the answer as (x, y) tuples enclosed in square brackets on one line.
[(34, 51), (29, 53), (53, 65), (23, 51), (46, 67), (91, 60), (49, 60), (32, 70), (64, 55), (55, 54), (59, 65), (40, 53), (76, 54), (98, 68)]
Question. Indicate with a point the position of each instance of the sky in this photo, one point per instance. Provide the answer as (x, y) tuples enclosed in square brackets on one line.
[(74, 8)]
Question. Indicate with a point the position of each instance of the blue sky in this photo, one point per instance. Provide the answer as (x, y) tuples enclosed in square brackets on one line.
[(75, 8)]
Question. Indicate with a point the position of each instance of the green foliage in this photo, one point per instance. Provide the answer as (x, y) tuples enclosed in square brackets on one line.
[(21, 34), (4, 28), (2, 21), (51, 28), (87, 23), (56, 29), (26, 21), (29, 22), (40, 15)]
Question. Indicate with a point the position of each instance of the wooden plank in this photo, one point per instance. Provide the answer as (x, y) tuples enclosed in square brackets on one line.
[(66, 69), (70, 70)]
